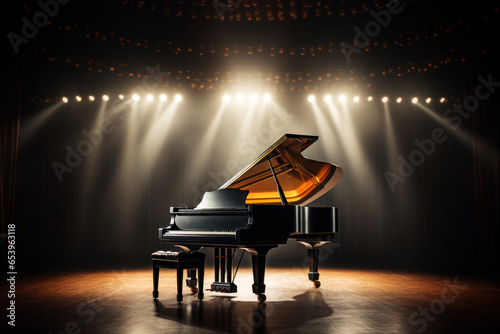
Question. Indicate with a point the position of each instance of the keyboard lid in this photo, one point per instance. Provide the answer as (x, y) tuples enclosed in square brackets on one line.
[(303, 180)]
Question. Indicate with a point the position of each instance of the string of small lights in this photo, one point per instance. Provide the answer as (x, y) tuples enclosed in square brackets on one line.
[(329, 46), (240, 10), (297, 81), (124, 69), (249, 97)]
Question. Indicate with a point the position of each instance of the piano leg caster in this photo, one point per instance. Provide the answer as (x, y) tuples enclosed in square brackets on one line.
[(317, 284), (261, 297), (194, 290)]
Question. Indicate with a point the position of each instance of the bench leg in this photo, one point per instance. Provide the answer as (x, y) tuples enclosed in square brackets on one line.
[(156, 274), (201, 271), (179, 284)]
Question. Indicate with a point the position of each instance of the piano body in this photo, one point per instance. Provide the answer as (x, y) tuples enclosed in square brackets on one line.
[(258, 209)]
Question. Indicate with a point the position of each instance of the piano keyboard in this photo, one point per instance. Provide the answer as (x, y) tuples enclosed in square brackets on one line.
[(202, 232)]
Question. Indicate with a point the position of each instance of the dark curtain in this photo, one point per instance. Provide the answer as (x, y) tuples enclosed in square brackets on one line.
[(10, 98), (487, 184)]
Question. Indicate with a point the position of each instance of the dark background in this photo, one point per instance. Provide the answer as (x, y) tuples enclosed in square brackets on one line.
[(106, 212)]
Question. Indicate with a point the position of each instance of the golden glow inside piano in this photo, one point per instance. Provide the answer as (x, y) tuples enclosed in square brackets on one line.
[(258, 209)]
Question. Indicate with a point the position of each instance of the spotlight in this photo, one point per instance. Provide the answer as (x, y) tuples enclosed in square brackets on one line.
[(385, 99), (105, 97), (267, 97), (428, 100), (135, 97), (239, 97), (91, 97), (399, 100), (178, 97), (149, 97), (311, 98), (328, 98), (342, 98), (163, 97), (121, 97), (78, 98), (370, 98), (226, 98), (442, 100), (414, 100), (253, 97), (65, 99), (356, 99)]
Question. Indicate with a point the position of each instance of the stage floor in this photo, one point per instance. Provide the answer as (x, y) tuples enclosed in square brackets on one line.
[(348, 301)]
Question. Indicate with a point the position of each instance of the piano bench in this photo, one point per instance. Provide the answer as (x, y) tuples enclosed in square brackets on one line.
[(191, 261)]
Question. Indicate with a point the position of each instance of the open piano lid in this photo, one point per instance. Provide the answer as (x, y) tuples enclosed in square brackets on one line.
[(302, 180)]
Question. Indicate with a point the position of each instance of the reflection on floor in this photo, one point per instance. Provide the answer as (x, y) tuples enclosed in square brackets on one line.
[(348, 301)]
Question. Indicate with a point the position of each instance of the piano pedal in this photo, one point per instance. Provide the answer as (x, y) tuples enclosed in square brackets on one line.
[(218, 290), (224, 287)]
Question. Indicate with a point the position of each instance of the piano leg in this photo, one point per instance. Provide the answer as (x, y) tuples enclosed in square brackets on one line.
[(259, 268), (191, 280), (313, 259)]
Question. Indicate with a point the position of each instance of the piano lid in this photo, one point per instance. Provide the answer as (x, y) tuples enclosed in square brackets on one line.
[(303, 180)]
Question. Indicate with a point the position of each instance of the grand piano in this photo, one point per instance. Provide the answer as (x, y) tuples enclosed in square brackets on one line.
[(260, 208)]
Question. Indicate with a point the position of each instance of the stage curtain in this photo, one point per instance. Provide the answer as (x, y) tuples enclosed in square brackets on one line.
[(9, 124), (487, 183)]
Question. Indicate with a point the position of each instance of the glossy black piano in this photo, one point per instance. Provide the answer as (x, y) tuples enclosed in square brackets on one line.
[(260, 208)]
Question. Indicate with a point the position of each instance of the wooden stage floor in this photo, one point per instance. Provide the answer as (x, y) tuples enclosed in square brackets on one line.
[(348, 301)]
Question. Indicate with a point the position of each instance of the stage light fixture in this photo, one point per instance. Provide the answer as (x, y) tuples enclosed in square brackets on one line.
[(253, 97), (65, 99), (78, 98), (328, 98), (399, 100), (226, 98), (239, 97), (267, 97), (178, 97), (442, 100), (428, 100), (355, 99), (163, 97), (370, 98), (135, 97), (149, 97), (91, 97), (311, 98), (105, 97), (385, 99), (414, 100), (342, 98), (121, 96)]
